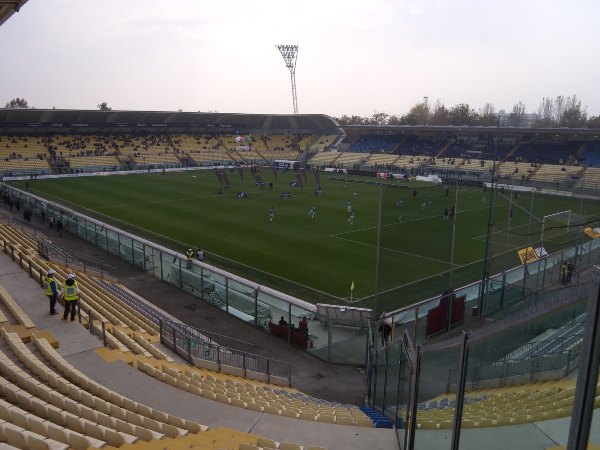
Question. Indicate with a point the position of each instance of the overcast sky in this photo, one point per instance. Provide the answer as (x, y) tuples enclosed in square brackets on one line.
[(355, 57)]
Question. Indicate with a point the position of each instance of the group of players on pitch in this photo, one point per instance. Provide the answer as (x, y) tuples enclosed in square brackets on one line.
[(312, 212)]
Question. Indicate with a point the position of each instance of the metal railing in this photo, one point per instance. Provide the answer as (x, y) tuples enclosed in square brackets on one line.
[(187, 346), (200, 334), (561, 363)]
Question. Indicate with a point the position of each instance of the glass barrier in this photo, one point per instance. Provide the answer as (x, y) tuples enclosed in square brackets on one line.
[(435, 402), (340, 343)]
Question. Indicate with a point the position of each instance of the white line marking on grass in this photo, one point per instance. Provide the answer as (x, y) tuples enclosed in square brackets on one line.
[(114, 220), (393, 250), (395, 223), (154, 203)]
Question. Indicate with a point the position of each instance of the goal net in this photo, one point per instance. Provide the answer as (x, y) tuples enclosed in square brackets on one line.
[(561, 227)]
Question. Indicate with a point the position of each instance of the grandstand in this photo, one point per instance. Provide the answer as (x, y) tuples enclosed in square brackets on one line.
[(132, 333), (54, 398)]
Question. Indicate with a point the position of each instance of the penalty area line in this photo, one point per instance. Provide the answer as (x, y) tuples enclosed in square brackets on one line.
[(393, 250)]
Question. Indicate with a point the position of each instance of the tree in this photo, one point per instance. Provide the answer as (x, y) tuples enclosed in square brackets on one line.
[(546, 111), (462, 114), (594, 122), (574, 114), (351, 120), (487, 115), (17, 103), (515, 118), (418, 115), (379, 118), (440, 115), (104, 106)]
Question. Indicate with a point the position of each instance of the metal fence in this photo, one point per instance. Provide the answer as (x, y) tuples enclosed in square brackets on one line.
[(553, 365), (200, 335), (185, 345), (249, 301)]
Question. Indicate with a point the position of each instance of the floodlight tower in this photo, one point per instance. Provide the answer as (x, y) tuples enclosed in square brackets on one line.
[(290, 53)]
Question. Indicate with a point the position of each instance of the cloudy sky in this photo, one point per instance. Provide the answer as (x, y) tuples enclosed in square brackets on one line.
[(355, 57)]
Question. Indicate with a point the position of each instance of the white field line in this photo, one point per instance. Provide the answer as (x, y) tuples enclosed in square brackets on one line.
[(403, 222), (186, 244), (392, 250), (127, 205)]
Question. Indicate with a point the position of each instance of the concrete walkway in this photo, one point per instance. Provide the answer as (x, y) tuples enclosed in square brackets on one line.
[(313, 376), (78, 347)]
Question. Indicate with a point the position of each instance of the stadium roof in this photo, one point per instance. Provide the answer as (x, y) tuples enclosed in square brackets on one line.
[(45, 118), (8, 8), (466, 129)]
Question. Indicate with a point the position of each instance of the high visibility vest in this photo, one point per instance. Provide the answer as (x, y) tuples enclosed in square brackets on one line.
[(190, 255), (48, 285), (565, 269), (70, 292)]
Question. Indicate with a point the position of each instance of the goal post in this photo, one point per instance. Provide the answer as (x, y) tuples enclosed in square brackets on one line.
[(560, 224)]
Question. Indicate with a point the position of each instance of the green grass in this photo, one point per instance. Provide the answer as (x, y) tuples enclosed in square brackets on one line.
[(317, 259)]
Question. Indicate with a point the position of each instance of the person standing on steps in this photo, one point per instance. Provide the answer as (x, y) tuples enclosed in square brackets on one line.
[(70, 293), (50, 290)]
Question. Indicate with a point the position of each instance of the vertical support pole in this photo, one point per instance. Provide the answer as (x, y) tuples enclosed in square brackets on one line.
[(329, 340), (160, 258), (90, 321), (376, 294), (416, 373), (201, 283), (104, 333), (289, 323), (226, 294), (385, 377), (189, 350), (180, 274), (160, 331), (256, 308), (460, 393), (174, 340), (585, 390), (268, 371)]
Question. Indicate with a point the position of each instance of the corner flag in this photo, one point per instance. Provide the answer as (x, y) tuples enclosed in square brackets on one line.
[(352, 286)]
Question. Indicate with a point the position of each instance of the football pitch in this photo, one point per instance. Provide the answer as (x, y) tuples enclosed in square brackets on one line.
[(319, 258)]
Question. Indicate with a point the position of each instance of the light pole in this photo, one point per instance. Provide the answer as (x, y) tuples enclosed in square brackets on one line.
[(290, 54)]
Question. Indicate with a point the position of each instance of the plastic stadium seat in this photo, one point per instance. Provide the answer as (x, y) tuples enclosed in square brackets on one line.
[(264, 442), (289, 446), (243, 446)]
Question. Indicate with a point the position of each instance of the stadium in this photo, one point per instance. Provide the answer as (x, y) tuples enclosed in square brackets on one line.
[(260, 281)]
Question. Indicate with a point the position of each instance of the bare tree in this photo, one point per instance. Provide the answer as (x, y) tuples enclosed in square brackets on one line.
[(593, 122), (547, 112), (17, 103), (515, 118), (488, 115), (574, 114), (559, 109)]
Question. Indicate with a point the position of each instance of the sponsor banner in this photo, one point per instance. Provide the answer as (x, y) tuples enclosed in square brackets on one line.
[(527, 255), (594, 233)]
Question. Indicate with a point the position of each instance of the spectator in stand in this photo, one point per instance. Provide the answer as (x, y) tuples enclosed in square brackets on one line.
[(283, 322), (303, 326), (385, 329)]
